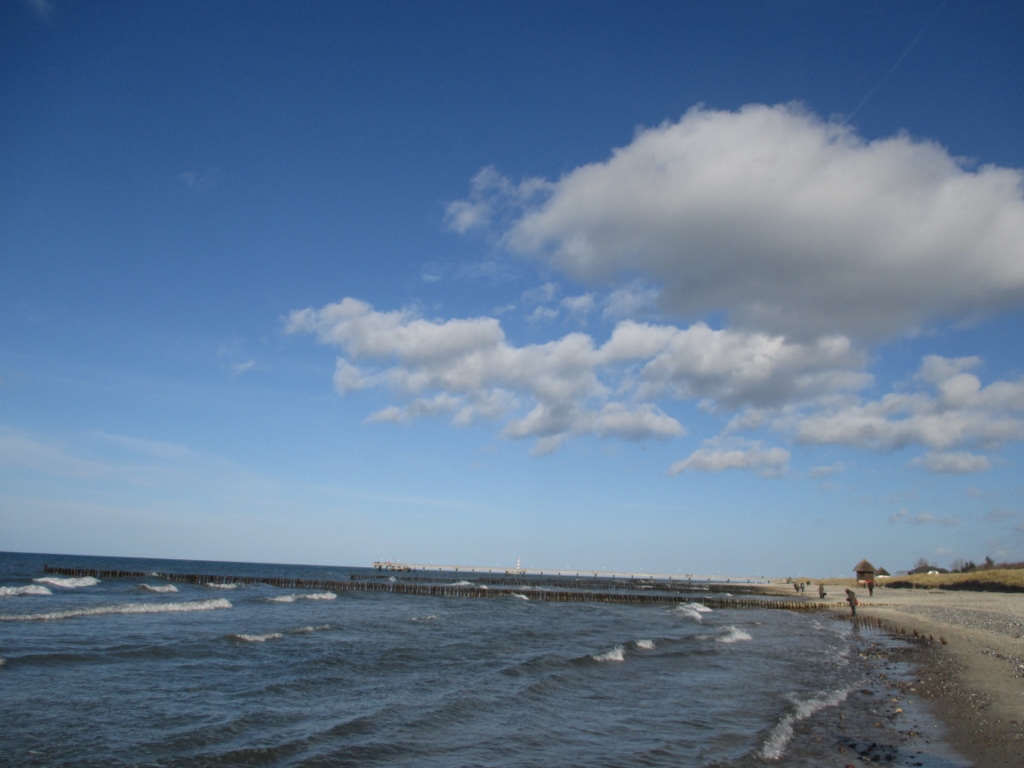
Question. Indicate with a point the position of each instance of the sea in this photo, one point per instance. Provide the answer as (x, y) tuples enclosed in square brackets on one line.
[(147, 671)]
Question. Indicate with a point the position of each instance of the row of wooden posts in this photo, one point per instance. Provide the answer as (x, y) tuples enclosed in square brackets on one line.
[(584, 582), (451, 590), (893, 628)]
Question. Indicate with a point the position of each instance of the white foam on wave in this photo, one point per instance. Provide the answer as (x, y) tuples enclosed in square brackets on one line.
[(733, 635), (618, 653), (689, 612), (647, 645), (161, 588), (780, 736), (258, 638), (431, 617), (521, 597), (214, 585), (70, 582), (293, 598), (103, 610), (463, 583), (308, 629), (29, 589)]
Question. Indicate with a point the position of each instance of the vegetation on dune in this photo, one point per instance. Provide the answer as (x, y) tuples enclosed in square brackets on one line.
[(982, 579)]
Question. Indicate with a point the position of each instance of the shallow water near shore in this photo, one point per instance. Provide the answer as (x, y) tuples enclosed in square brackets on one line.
[(135, 671)]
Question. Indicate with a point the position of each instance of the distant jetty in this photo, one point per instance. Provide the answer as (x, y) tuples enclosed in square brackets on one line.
[(395, 567)]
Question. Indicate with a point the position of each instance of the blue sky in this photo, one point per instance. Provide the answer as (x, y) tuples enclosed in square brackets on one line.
[(724, 288)]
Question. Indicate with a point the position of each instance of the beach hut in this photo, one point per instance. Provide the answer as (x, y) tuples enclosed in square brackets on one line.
[(881, 573), (865, 571)]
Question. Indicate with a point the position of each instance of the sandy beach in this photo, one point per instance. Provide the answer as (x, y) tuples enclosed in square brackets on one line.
[(973, 664)]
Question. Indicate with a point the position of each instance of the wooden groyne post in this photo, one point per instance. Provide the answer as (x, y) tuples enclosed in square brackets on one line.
[(453, 590)]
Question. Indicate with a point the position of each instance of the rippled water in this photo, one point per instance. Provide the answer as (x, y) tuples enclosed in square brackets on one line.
[(140, 672)]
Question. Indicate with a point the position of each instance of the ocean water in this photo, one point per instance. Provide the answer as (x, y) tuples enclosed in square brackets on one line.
[(145, 672)]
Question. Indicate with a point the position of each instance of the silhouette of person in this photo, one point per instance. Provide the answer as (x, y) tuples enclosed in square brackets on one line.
[(851, 598)]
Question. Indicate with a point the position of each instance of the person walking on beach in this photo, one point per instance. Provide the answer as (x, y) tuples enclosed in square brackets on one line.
[(851, 598), (871, 587), (821, 591)]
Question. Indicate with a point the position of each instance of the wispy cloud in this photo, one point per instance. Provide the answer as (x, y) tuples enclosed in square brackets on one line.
[(825, 471), (926, 518), (202, 181), (719, 455), (999, 514), (244, 367), (43, 8), (956, 463), (50, 458), (147, 447)]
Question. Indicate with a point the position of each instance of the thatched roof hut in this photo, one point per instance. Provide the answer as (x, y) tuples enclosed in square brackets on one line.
[(865, 571)]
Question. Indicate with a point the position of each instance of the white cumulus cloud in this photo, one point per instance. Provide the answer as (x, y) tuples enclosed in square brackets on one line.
[(808, 392), (960, 411), (786, 222), (571, 385), (467, 368)]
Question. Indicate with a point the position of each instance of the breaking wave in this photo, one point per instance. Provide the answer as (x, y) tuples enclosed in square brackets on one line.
[(308, 629), (31, 589), (689, 611), (647, 645), (780, 736), (104, 610), (162, 588), (692, 610), (733, 635), (258, 638), (70, 582), (293, 598), (221, 586), (618, 653)]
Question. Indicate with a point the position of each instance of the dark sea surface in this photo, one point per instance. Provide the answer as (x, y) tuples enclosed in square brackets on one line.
[(141, 671)]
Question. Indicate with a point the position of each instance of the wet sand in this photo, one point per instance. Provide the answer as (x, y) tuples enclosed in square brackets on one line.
[(969, 664)]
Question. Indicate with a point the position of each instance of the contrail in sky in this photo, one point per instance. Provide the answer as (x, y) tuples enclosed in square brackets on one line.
[(913, 44)]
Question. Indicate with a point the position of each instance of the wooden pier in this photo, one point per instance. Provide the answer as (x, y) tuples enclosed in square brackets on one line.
[(536, 590)]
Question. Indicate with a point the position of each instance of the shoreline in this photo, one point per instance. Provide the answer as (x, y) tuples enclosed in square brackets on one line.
[(970, 664), (885, 720)]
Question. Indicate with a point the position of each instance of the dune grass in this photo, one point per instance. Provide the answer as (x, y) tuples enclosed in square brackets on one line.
[(986, 580)]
